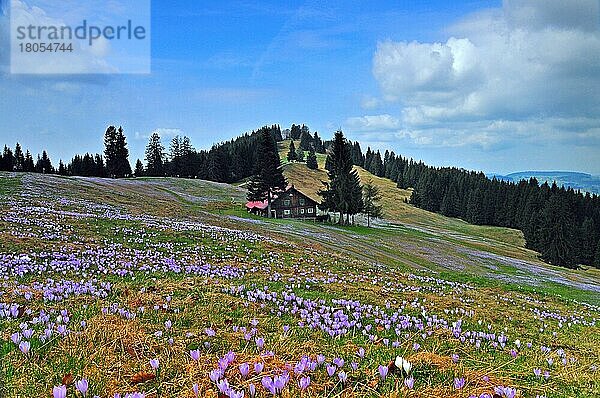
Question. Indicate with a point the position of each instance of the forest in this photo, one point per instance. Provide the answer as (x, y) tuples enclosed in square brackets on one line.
[(562, 224)]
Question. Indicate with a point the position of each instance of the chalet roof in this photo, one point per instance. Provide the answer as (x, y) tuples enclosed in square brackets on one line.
[(263, 204)]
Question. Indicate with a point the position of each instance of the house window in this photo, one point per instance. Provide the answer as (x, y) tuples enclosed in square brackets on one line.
[(310, 210), (301, 202), (301, 211), (287, 212), (286, 202)]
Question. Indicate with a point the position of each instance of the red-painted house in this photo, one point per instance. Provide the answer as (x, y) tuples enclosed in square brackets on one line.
[(289, 204)]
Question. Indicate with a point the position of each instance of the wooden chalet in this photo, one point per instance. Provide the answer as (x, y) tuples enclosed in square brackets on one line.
[(289, 204)]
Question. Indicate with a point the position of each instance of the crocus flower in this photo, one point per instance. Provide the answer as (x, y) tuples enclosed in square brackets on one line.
[(195, 389), (331, 370), (195, 354), (260, 342), (537, 372), (154, 363), (343, 376), (82, 386), (455, 358), (258, 367), (459, 383), (304, 382), (59, 391), (215, 374), (267, 383), (244, 369), (252, 390), (383, 371), (24, 346), (361, 352), (409, 382)]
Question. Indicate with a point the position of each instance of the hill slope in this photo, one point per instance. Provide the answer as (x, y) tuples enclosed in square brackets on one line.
[(124, 271)]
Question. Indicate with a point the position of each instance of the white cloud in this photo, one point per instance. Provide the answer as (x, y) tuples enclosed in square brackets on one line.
[(529, 64), (373, 123)]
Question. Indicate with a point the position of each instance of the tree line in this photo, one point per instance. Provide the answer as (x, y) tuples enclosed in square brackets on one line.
[(560, 223)]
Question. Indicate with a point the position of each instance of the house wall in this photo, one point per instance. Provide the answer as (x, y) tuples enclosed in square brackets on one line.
[(294, 205)]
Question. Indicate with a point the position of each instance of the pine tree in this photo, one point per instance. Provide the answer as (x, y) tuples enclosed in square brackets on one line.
[(155, 156), (139, 168), (292, 155), (28, 164), (371, 198), (175, 156), (8, 159), (556, 235), (306, 140), (19, 158), (597, 256), (268, 179), (124, 168), (311, 159), (340, 194), (43, 164), (110, 151), (300, 154), (587, 240), (62, 170)]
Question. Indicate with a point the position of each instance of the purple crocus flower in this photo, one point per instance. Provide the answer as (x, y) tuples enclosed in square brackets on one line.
[(383, 371), (339, 362), (343, 376), (409, 382), (258, 367), (304, 382), (59, 391), (260, 342), (361, 353), (154, 363), (455, 358), (195, 354), (24, 346), (215, 375), (537, 372), (459, 383), (331, 370), (320, 359), (82, 386), (244, 369), (195, 389), (252, 390), (267, 383)]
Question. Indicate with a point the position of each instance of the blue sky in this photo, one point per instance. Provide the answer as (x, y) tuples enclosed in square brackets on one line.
[(486, 85)]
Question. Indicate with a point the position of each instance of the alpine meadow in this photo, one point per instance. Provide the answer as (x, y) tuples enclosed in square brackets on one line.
[(340, 199)]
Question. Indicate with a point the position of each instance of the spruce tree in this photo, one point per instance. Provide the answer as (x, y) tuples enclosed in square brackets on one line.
[(597, 256), (268, 179), (19, 164), (371, 198), (292, 155), (62, 170), (124, 168), (110, 151), (311, 159), (28, 165), (341, 193), (155, 156), (300, 154), (139, 168)]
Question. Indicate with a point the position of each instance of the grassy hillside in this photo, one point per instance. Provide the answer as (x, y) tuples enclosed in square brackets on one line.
[(100, 276)]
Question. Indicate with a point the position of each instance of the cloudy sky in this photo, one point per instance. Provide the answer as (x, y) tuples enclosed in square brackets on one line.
[(487, 85)]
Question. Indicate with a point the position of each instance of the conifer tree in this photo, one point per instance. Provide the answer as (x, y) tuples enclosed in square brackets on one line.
[(597, 256), (19, 158), (371, 198), (28, 164), (139, 168), (155, 156), (311, 159), (292, 154), (268, 179), (341, 194), (300, 155)]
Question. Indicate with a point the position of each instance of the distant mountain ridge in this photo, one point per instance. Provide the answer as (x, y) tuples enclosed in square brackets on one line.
[(576, 180)]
